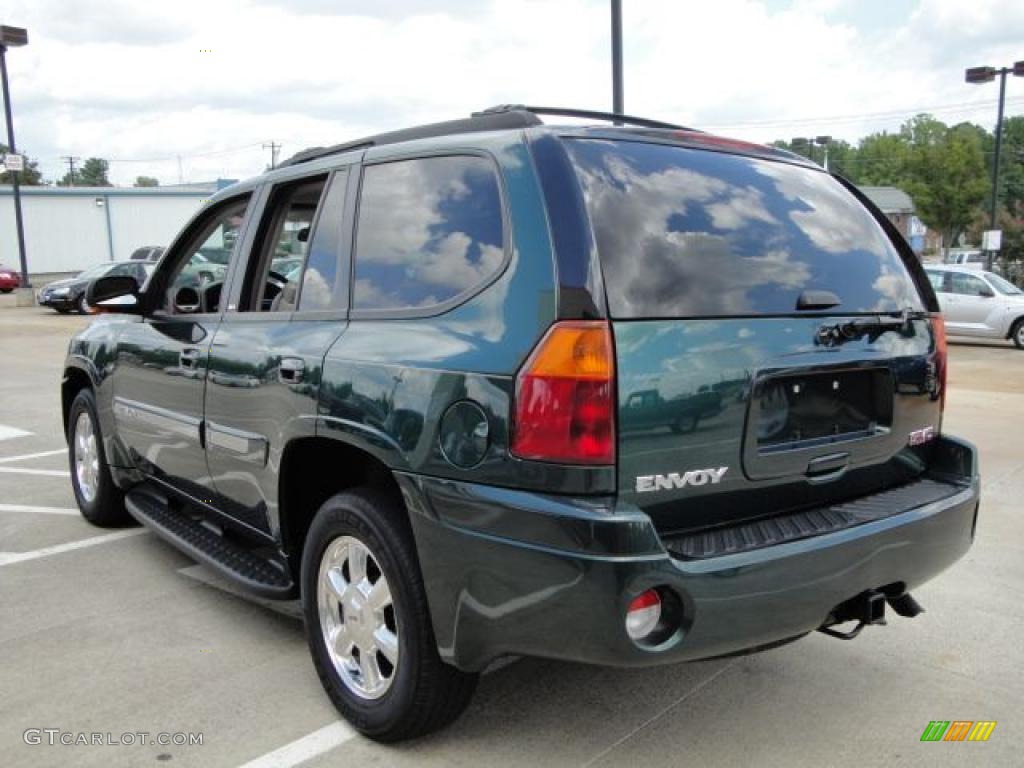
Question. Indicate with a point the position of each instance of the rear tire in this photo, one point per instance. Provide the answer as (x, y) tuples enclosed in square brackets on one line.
[(418, 693), (100, 501), (1017, 333)]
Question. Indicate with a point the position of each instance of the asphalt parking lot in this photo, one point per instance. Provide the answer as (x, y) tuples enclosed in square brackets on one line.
[(117, 632)]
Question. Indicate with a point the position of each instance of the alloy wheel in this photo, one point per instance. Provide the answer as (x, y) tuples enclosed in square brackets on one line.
[(357, 617), (87, 457)]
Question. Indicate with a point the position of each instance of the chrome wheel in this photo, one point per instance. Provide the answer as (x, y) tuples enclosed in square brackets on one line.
[(87, 457), (357, 618), (1020, 335)]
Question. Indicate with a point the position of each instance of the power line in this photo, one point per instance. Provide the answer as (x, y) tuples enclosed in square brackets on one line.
[(966, 106)]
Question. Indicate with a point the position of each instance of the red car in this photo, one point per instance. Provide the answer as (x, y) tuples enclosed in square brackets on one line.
[(9, 279)]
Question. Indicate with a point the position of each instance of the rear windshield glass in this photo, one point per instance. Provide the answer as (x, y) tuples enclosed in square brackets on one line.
[(695, 233)]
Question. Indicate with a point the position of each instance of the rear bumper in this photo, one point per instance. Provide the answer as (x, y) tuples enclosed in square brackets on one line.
[(509, 572)]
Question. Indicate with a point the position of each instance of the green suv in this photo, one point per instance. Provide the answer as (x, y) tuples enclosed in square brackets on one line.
[(627, 394)]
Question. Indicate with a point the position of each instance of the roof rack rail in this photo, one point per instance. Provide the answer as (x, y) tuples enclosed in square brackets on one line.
[(588, 114), (478, 122), (501, 117)]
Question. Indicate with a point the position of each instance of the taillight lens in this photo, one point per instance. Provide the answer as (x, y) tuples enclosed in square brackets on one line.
[(643, 615), (564, 407), (941, 357)]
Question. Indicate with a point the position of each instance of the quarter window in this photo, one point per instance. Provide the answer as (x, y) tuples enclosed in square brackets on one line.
[(429, 229)]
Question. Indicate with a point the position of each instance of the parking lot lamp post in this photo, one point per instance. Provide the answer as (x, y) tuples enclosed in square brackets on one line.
[(824, 141), (978, 75), (13, 37)]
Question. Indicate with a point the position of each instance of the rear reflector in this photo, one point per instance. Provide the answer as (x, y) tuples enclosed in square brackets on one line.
[(564, 407), (643, 615), (941, 357)]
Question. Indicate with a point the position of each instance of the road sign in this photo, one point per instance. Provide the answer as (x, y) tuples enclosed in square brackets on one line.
[(14, 163), (992, 239)]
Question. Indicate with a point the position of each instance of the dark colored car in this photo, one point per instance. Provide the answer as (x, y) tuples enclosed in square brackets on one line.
[(9, 279), (68, 295), (627, 395)]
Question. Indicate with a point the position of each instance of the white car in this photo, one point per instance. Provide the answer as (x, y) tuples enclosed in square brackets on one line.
[(978, 303)]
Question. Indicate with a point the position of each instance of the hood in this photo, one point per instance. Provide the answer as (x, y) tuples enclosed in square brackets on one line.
[(68, 282)]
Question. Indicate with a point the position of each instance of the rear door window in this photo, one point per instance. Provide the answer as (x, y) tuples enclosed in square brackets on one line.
[(968, 285), (693, 233)]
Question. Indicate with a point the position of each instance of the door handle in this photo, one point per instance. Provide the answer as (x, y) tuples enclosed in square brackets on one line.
[(189, 356), (290, 370)]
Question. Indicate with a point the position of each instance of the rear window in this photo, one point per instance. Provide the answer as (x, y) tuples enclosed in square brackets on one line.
[(692, 233)]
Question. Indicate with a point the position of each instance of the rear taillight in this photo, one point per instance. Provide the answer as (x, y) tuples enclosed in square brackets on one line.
[(941, 357), (564, 408)]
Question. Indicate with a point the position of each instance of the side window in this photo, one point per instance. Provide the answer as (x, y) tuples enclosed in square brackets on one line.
[(428, 230), (279, 251), (938, 280), (211, 243), (320, 277), (967, 285)]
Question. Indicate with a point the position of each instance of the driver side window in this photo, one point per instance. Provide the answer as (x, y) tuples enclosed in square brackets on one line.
[(202, 263)]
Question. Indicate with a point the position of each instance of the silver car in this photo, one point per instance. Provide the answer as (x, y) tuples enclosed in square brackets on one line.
[(978, 303)]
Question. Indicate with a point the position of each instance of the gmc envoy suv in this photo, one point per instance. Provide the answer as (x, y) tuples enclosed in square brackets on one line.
[(624, 393)]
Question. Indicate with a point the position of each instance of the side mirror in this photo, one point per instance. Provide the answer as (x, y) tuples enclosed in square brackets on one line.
[(187, 300), (113, 293)]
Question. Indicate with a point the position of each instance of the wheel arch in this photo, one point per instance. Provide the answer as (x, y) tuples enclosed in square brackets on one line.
[(75, 379), (312, 470), (1012, 326)]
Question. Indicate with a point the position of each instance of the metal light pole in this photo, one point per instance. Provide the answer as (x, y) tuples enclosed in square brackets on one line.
[(618, 105), (13, 37), (977, 75), (824, 141)]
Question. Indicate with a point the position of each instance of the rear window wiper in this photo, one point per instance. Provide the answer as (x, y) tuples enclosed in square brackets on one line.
[(872, 327)]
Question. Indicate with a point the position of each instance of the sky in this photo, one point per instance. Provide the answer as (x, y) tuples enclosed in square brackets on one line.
[(191, 90)]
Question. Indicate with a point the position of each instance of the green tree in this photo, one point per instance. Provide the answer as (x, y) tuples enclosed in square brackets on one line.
[(30, 177), (945, 174), (882, 159), (93, 173), (146, 181)]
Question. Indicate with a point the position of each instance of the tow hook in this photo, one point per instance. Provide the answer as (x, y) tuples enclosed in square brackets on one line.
[(867, 608)]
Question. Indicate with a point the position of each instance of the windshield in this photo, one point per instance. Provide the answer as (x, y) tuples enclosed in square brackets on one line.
[(693, 233), (1005, 287)]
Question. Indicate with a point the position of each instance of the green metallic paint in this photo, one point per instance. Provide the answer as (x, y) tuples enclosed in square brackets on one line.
[(686, 393)]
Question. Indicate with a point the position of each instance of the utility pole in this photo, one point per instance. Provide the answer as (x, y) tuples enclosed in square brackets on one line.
[(71, 160), (618, 101), (274, 148)]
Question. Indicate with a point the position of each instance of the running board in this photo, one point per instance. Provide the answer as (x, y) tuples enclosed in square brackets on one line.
[(257, 573)]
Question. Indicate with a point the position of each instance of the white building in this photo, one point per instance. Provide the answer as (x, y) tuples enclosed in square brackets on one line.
[(68, 229)]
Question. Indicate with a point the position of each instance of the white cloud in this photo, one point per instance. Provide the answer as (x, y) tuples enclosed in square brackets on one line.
[(132, 81)]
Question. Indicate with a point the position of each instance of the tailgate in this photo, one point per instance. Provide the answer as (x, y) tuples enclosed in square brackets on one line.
[(729, 419)]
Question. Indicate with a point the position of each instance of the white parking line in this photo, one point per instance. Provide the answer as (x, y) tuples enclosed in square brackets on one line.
[(39, 510), (39, 455), (6, 433), (306, 748), (10, 558), (26, 471)]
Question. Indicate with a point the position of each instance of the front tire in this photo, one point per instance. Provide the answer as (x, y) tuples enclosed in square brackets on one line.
[(83, 305), (368, 624), (99, 500), (1017, 334)]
